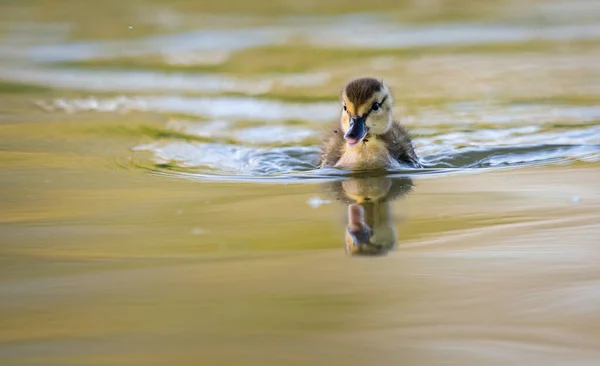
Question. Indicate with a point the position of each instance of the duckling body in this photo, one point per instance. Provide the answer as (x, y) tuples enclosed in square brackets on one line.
[(390, 150), (366, 136)]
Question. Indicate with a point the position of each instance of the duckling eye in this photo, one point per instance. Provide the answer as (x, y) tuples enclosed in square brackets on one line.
[(345, 109), (375, 107)]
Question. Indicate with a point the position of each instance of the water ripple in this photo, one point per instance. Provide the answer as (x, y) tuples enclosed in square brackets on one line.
[(232, 162), (375, 33), (236, 108), (152, 81), (526, 135)]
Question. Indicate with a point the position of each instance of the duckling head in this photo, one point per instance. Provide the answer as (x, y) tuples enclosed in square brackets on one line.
[(366, 110)]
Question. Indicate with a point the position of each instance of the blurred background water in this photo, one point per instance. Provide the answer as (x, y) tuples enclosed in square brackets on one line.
[(160, 202)]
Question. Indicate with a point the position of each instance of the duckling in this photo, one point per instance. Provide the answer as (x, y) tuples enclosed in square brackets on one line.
[(367, 137)]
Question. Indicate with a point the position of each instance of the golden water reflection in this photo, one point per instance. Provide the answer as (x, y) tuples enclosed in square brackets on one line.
[(108, 261)]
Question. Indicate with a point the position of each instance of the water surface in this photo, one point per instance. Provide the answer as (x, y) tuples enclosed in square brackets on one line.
[(161, 203)]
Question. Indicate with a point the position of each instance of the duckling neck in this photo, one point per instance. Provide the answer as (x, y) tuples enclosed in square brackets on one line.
[(372, 153)]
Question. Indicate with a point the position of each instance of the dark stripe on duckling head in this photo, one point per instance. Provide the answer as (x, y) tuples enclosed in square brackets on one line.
[(360, 91)]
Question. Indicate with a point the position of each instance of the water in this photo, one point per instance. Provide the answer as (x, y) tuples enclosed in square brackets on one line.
[(161, 203)]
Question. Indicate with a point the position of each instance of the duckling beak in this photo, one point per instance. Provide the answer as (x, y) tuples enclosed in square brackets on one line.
[(357, 131)]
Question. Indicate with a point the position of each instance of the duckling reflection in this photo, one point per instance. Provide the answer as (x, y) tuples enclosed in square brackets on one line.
[(370, 229)]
